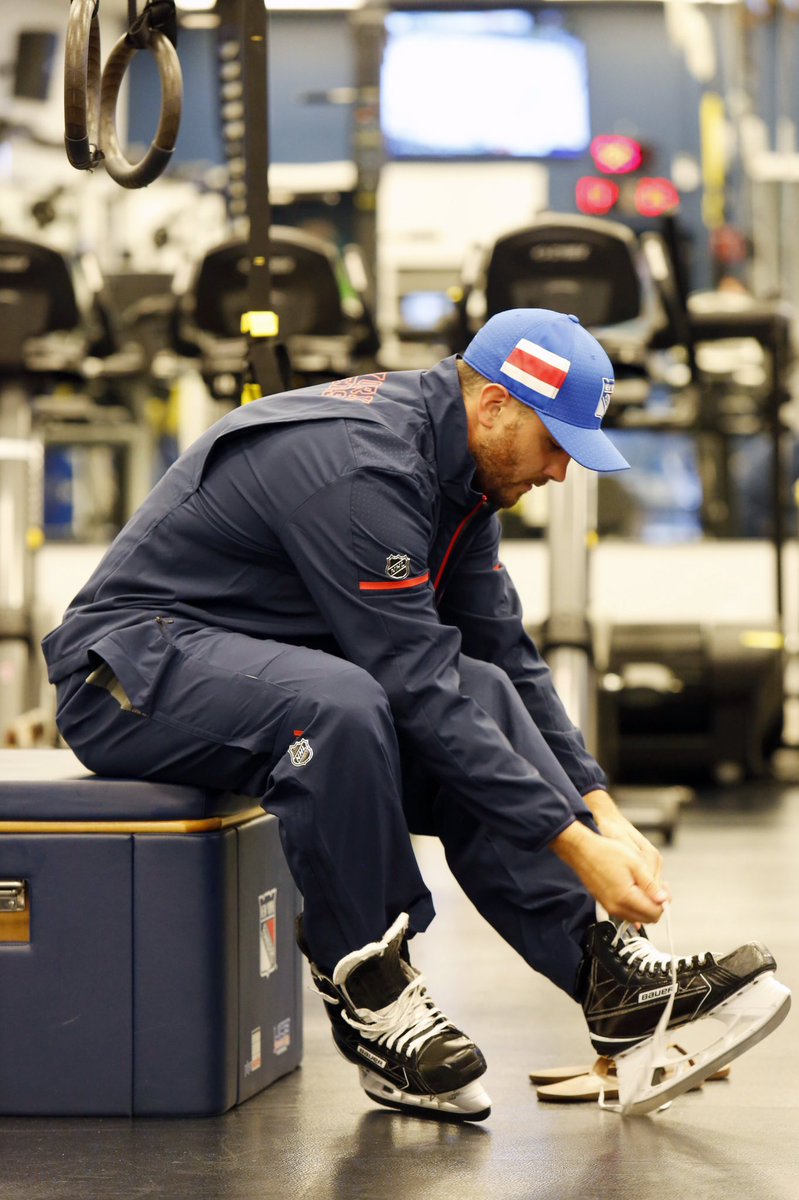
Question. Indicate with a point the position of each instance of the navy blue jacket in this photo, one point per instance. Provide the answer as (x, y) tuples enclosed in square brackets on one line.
[(343, 517)]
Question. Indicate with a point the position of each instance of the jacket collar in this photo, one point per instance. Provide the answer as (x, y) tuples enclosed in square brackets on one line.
[(443, 399)]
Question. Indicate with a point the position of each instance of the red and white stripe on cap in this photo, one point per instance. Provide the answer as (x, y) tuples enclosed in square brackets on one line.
[(537, 368)]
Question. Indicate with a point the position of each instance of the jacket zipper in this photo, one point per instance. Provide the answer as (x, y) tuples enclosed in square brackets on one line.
[(483, 500)]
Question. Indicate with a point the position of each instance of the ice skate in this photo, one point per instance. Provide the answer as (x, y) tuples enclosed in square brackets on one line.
[(409, 1055), (632, 993)]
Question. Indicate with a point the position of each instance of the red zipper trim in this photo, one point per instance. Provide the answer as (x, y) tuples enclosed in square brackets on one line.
[(454, 539)]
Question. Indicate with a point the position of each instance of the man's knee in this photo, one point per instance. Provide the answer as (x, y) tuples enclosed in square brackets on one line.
[(484, 681), (353, 698)]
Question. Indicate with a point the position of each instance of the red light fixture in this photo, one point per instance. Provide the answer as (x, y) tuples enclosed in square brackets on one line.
[(596, 196), (654, 197), (616, 155)]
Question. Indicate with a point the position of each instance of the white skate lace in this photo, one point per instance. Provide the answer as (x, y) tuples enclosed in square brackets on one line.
[(405, 1025), (640, 952), (643, 953)]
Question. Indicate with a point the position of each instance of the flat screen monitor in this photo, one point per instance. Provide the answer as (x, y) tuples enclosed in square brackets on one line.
[(495, 84), (33, 67)]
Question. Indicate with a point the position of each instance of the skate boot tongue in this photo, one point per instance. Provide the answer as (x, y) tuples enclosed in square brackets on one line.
[(378, 982), (375, 976)]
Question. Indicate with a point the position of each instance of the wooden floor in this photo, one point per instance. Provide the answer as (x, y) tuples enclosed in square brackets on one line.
[(315, 1136)]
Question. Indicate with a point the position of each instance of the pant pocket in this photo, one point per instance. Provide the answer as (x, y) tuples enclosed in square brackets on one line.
[(184, 691)]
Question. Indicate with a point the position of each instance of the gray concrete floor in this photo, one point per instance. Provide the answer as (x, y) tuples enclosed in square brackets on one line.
[(733, 872)]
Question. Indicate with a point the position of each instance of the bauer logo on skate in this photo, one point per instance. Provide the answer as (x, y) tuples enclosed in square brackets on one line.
[(654, 994), (300, 753), (378, 1062)]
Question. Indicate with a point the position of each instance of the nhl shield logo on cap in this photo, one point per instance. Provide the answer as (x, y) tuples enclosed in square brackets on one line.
[(398, 566)]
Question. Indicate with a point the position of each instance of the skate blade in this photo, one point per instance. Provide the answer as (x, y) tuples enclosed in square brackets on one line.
[(748, 1017), (470, 1103)]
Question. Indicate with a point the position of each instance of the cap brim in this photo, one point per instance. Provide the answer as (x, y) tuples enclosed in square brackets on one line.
[(591, 448)]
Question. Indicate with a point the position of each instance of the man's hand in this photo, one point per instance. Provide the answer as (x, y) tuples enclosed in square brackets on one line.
[(612, 823), (614, 872)]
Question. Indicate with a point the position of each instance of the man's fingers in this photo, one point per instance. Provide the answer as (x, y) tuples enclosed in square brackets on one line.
[(657, 866), (652, 858), (656, 890), (642, 903)]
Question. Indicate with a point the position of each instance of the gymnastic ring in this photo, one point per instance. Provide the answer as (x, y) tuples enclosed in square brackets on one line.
[(148, 168), (82, 85)]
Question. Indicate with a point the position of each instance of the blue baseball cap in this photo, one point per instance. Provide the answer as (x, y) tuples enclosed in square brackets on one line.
[(549, 362)]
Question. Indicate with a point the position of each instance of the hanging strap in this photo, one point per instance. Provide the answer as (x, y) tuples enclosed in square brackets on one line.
[(245, 22), (157, 15)]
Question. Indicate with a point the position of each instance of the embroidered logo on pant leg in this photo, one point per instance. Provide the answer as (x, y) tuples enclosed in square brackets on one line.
[(300, 753)]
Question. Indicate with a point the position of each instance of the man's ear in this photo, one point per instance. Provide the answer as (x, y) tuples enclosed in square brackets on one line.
[(492, 401)]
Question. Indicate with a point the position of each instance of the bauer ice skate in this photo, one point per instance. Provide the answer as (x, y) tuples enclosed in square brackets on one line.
[(409, 1055), (632, 993)]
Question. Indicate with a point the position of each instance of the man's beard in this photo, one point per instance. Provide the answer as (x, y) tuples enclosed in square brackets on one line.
[(499, 495), (491, 476)]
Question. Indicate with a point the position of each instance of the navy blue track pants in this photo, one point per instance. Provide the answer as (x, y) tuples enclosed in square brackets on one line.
[(222, 710)]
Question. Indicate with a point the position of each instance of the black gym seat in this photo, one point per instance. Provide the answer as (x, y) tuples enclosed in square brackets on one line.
[(37, 297), (321, 330)]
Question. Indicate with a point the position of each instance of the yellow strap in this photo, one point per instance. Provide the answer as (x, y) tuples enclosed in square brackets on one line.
[(250, 391), (713, 142), (762, 639), (260, 324)]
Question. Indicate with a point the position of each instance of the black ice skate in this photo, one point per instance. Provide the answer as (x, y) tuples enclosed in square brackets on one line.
[(408, 1054), (626, 985)]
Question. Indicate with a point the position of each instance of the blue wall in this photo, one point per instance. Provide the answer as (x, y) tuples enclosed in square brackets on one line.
[(307, 53), (639, 86)]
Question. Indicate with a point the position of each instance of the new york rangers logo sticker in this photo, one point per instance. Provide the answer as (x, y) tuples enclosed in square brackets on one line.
[(267, 940), (398, 566)]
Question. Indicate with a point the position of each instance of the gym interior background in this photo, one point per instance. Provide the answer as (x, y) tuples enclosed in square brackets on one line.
[(646, 177)]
